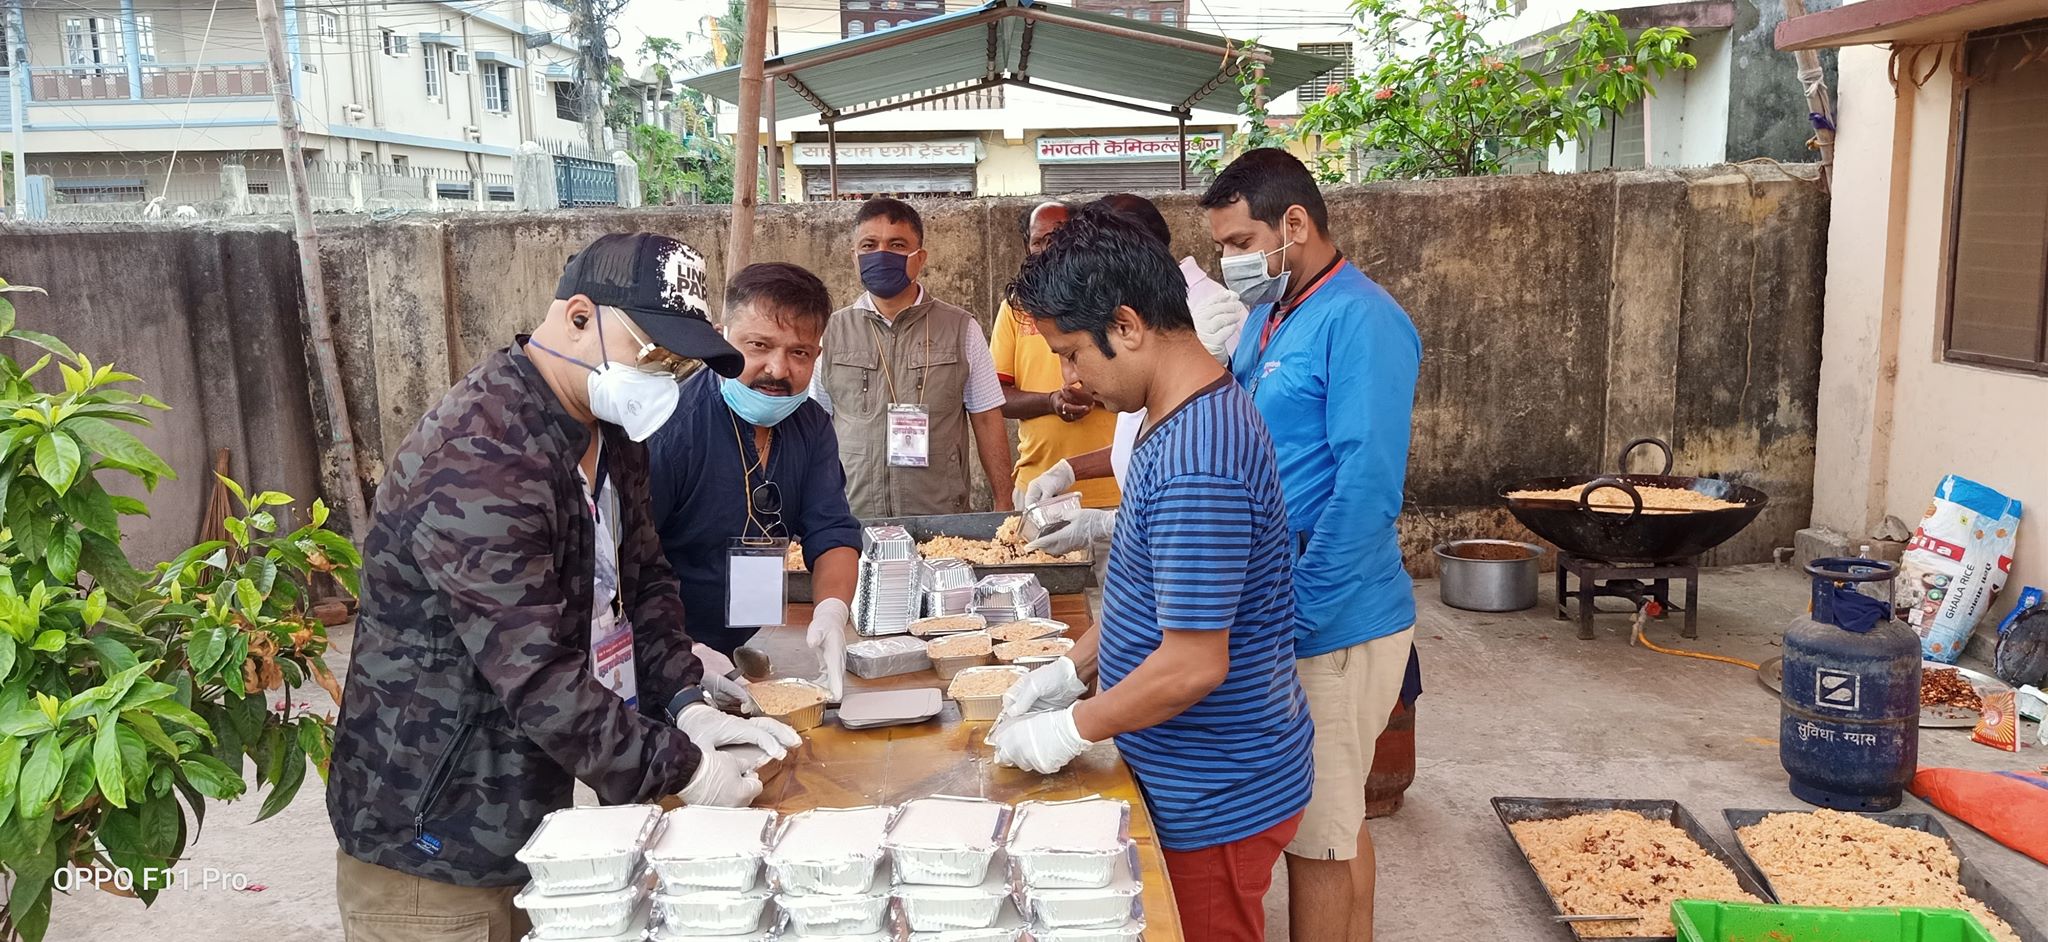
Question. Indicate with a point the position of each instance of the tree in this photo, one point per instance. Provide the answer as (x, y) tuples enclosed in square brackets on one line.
[(1443, 100)]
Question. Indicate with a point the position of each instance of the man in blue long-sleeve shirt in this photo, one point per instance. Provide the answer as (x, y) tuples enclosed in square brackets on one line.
[(1330, 361)]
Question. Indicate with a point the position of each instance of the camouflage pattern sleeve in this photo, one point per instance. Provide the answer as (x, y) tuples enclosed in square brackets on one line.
[(483, 543), (654, 603)]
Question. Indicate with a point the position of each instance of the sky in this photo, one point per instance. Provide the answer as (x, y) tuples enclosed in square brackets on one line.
[(673, 19)]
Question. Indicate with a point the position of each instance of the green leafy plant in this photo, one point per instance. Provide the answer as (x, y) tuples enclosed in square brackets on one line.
[(128, 702), (1444, 100)]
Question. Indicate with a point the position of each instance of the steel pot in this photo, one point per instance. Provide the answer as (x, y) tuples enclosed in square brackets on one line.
[(1488, 575)]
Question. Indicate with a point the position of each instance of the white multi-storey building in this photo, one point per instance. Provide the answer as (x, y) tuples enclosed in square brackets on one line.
[(111, 89)]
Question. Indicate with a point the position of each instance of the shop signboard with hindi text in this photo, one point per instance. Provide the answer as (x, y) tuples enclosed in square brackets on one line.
[(1121, 147), (964, 150)]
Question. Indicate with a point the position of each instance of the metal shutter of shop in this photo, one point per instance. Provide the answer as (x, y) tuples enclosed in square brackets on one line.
[(884, 181), (1061, 178)]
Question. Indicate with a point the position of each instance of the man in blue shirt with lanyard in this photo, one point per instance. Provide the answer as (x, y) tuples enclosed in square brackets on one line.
[(1330, 359), (752, 459)]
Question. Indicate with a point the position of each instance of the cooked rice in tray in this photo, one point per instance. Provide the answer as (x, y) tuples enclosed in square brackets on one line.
[(1614, 862), (1830, 858)]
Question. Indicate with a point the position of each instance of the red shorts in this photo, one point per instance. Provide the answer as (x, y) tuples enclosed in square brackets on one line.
[(1221, 890)]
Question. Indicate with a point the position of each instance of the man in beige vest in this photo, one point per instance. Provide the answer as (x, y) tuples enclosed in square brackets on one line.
[(905, 376)]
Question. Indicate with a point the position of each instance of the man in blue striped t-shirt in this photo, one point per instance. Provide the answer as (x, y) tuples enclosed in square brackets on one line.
[(1195, 653)]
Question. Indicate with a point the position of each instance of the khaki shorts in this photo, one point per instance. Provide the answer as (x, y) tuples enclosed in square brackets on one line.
[(1351, 692), (379, 904)]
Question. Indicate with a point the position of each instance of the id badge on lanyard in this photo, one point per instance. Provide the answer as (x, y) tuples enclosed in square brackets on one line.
[(910, 435), (611, 633), (756, 582)]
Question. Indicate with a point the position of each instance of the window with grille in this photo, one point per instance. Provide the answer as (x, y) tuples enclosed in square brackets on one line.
[(145, 38), (856, 28), (881, 25), (1169, 16), (328, 25), (1140, 13), (568, 104), (396, 43), (432, 65), (1315, 88), (92, 40), (497, 89), (1998, 263)]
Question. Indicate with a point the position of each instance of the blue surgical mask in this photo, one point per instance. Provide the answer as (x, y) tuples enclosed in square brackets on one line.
[(886, 273), (757, 407)]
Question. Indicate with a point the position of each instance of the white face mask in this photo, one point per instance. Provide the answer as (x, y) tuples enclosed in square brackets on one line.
[(1246, 275), (634, 399)]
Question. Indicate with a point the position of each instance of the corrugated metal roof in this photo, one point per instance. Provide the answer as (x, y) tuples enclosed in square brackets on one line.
[(1077, 49)]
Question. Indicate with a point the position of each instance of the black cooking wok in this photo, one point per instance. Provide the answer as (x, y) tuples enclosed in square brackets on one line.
[(1634, 536)]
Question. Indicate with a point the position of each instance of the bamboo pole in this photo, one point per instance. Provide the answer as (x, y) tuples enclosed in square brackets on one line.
[(1820, 110), (746, 149)]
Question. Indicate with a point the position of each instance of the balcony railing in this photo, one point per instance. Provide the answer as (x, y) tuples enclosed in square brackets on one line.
[(110, 82)]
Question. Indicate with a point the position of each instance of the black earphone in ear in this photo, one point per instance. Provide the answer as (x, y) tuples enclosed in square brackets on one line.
[(581, 321)]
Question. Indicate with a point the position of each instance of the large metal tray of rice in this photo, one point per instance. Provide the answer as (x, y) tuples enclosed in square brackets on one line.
[(1613, 856), (1835, 858)]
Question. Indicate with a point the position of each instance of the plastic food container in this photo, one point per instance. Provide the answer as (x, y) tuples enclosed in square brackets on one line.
[(711, 912), (705, 848), (928, 908), (1028, 629), (1714, 921), (829, 851), (1046, 516), (635, 931), (980, 707), (946, 841), (890, 707), (887, 657), (599, 915), (1075, 844), (1133, 929), (1109, 905), (947, 625), (799, 718), (588, 849), (1035, 651), (857, 914)]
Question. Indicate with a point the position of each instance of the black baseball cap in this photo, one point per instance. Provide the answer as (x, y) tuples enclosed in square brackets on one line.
[(661, 283)]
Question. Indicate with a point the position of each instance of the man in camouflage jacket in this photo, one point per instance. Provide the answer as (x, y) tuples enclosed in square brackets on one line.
[(472, 708)]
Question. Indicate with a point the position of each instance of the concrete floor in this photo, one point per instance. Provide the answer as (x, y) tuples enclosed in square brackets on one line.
[(1514, 705)]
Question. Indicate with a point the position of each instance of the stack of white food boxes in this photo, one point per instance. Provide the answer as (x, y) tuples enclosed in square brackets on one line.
[(951, 881), (1078, 869), (709, 862), (589, 879), (831, 881)]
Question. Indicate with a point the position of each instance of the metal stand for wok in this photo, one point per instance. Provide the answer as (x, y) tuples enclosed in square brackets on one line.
[(1635, 582)]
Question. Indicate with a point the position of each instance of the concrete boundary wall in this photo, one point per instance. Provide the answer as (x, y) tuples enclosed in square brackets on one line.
[(1561, 315)]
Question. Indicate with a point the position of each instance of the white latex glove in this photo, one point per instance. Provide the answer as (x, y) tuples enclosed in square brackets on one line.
[(1044, 743), (1085, 525), (1219, 319), (827, 637), (710, 729), (721, 783), (725, 692), (1056, 480), (1051, 686)]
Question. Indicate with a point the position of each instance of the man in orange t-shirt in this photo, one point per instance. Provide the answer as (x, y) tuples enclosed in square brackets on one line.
[(1056, 420)]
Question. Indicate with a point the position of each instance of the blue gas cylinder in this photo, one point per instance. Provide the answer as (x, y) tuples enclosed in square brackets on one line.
[(1849, 711)]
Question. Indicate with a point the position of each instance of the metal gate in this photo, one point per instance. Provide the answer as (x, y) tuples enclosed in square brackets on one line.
[(580, 181)]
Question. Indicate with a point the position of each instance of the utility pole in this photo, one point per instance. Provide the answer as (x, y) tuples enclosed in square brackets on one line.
[(595, 65), (341, 442), (746, 150), (1819, 110), (17, 114), (768, 105)]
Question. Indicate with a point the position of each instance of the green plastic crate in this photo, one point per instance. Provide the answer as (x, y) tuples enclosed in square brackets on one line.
[(1714, 921)]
